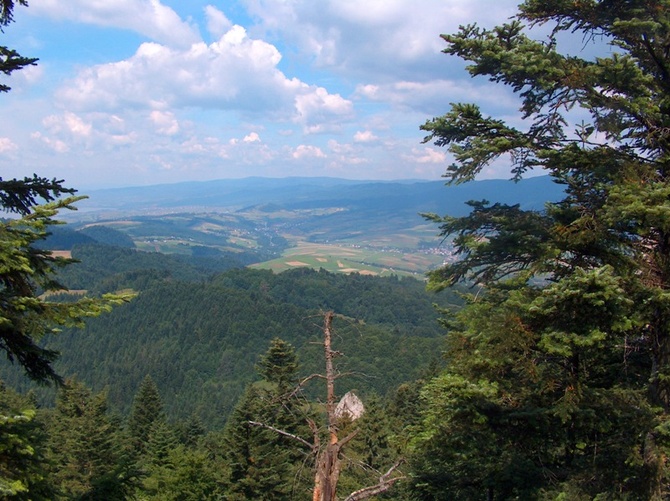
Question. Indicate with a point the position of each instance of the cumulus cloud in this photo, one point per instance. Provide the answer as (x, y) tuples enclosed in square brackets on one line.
[(385, 38), (434, 96), (68, 122), (315, 109), (427, 156), (54, 144), (147, 17), (365, 137), (27, 77), (217, 22), (165, 122), (346, 154), (365, 77), (234, 73), (7, 145), (307, 151), (253, 137), (208, 146)]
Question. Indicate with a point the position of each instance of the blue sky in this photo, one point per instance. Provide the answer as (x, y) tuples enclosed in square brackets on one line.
[(137, 92)]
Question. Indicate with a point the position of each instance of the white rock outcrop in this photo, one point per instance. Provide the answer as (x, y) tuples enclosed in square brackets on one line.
[(350, 406)]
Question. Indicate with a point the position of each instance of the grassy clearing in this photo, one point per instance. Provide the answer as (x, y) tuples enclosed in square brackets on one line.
[(62, 253)]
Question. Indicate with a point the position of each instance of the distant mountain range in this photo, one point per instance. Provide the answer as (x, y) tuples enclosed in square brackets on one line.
[(399, 197), (340, 225)]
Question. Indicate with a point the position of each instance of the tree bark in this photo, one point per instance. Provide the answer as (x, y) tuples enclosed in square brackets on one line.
[(328, 460)]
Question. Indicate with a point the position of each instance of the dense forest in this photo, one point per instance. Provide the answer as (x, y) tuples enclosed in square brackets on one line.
[(200, 338), (547, 375)]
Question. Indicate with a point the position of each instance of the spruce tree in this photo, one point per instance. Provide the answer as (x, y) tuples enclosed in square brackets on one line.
[(558, 378), (23, 462), (263, 464), (88, 453), (279, 364), (146, 411)]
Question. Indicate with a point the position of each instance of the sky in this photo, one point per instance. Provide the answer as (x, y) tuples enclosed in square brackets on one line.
[(142, 92)]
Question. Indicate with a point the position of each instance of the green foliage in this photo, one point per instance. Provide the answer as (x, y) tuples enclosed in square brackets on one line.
[(557, 382), (22, 444), (187, 474), (25, 272), (279, 365), (200, 341), (104, 268), (89, 455), (262, 463), (10, 61), (147, 410), (108, 236)]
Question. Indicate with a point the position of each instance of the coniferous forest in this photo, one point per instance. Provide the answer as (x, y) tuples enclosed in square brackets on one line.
[(536, 366)]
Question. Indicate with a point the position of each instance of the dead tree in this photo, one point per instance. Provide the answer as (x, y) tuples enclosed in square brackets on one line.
[(328, 457)]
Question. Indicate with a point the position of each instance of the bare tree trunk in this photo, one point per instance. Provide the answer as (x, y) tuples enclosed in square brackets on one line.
[(328, 461), (328, 465)]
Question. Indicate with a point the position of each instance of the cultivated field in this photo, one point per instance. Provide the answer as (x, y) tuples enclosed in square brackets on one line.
[(351, 259)]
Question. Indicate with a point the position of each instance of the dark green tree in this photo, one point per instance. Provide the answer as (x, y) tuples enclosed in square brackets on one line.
[(186, 474), (146, 411), (28, 274), (262, 463), (89, 455), (10, 60), (23, 464), (557, 383), (279, 365)]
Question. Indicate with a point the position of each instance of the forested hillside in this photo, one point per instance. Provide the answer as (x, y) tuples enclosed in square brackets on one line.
[(207, 380), (199, 334)]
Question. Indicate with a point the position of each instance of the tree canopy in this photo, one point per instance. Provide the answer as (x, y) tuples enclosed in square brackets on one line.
[(558, 378)]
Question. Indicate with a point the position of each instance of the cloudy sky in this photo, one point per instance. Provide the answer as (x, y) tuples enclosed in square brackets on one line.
[(136, 92)]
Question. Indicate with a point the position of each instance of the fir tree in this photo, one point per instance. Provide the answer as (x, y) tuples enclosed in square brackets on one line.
[(263, 464), (88, 453), (146, 411), (557, 381), (23, 463)]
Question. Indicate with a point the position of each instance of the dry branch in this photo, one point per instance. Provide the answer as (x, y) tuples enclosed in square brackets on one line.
[(282, 432), (384, 484)]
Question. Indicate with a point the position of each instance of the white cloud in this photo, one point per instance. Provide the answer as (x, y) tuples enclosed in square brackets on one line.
[(346, 154), (317, 109), (7, 145), (427, 156), (27, 77), (148, 17), (54, 144), (380, 38), (68, 123), (340, 148), (217, 22), (165, 122), (236, 73), (253, 137), (365, 137), (434, 96), (307, 151), (242, 100), (208, 146)]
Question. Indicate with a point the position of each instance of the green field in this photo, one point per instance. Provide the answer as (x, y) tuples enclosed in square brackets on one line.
[(352, 259), (332, 238)]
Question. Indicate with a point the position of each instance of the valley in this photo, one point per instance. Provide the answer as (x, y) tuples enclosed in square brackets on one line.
[(339, 225)]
